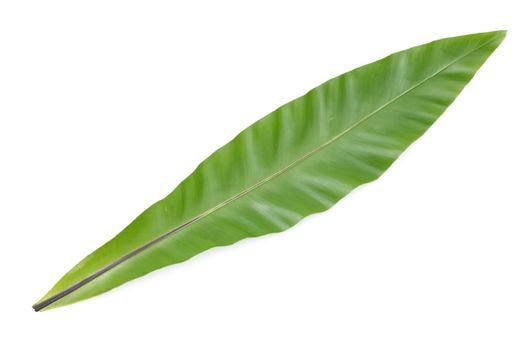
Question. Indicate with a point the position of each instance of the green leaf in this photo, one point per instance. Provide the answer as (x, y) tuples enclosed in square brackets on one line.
[(298, 160)]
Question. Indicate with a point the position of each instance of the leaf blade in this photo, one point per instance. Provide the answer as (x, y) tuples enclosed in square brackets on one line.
[(298, 160)]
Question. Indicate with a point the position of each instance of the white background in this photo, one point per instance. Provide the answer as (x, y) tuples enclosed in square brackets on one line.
[(106, 106)]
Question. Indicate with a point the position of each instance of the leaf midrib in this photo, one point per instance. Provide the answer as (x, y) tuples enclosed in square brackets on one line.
[(258, 184)]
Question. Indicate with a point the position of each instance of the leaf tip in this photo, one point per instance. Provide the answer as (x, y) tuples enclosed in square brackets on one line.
[(500, 34)]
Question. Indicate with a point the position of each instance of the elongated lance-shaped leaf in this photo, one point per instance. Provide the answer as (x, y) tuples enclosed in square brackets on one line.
[(298, 160)]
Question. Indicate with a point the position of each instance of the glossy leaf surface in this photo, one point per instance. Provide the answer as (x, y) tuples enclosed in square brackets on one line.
[(298, 160)]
